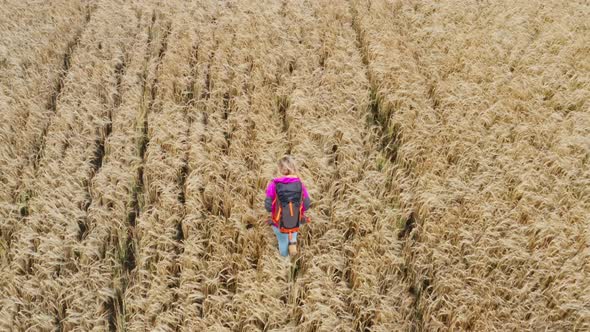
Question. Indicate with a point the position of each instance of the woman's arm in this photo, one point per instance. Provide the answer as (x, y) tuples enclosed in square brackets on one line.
[(268, 204), (270, 196), (306, 199)]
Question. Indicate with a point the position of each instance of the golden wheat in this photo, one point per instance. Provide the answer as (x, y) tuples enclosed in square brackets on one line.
[(46, 249), (444, 145), (31, 66), (484, 100)]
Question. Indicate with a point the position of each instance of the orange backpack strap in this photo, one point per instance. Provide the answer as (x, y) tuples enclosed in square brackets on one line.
[(278, 206)]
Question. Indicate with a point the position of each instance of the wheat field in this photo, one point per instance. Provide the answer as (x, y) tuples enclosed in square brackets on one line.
[(445, 145)]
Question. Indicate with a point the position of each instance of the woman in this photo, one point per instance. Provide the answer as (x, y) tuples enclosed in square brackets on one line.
[(285, 192)]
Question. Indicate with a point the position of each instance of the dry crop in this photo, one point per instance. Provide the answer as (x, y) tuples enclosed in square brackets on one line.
[(488, 104), (445, 147)]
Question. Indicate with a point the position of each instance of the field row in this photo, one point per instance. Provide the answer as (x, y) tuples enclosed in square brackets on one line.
[(61, 254), (444, 146), (35, 54), (215, 265), (487, 107), (144, 209)]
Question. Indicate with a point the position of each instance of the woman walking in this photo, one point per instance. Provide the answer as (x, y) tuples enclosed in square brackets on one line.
[(287, 200)]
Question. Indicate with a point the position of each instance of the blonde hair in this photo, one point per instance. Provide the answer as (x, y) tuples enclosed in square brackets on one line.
[(287, 165)]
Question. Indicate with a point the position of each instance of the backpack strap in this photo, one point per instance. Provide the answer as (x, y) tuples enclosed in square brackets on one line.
[(301, 204), (278, 206)]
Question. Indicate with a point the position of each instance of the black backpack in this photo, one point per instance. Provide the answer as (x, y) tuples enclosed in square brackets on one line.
[(289, 208)]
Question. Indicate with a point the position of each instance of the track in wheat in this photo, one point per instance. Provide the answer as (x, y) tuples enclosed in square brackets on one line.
[(444, 145)]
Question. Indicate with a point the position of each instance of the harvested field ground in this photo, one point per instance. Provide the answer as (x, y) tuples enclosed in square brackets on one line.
[(445, 145)]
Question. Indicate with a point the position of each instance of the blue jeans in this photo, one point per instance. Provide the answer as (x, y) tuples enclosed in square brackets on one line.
[(283, 239)]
